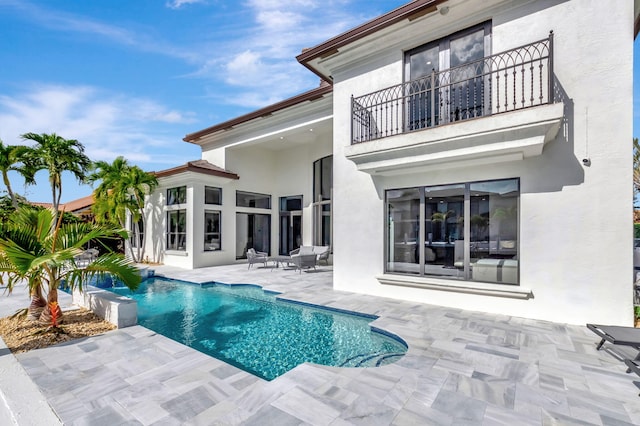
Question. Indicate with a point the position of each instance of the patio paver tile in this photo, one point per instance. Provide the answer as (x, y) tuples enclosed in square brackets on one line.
[(461, 367)]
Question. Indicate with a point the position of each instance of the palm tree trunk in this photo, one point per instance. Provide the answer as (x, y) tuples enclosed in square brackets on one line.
[(46, 315), (141, 244), (37, 304), (123, 225), (14, 201), (55, 201)]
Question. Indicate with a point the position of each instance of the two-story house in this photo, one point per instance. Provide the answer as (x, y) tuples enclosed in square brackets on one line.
[(474, 154)]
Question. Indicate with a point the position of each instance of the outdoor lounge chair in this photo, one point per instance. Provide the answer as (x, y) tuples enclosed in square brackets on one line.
[(633, 366), (256, 257), (617, 335)]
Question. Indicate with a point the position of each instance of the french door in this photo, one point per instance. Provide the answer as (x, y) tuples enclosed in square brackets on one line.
[(447, 78)]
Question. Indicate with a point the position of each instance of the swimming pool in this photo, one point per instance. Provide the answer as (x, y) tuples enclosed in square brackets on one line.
[(253, 330)]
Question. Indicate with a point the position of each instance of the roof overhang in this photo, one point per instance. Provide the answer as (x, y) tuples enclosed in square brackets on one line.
[(267, 111), (198, 166), (410, 11)]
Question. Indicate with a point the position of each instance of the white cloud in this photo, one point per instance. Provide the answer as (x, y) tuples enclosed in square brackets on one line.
[(268, 71), (244, 68), (278, 31), (177, 4), (69, 22), (107, 124)]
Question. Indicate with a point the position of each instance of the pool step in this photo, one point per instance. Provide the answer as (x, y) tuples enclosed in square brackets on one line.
[(371, 360)]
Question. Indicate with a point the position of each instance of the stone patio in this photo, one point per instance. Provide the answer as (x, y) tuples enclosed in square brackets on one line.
[(462, 367)]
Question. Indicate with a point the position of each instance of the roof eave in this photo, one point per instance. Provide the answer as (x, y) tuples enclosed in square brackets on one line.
[(268, 110), (190, 168), (415, 8)]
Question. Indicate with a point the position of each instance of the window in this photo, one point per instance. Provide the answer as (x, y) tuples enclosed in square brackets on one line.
[(253, 230), (250, 199), (176, 230), (176, 195), (290, 224), (447, 76), (212, 240), (463, 231), (322, 178), (322, 189), (136, 233), (212, 195)]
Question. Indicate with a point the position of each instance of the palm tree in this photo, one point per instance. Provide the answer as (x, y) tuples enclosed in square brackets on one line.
[(122, 191), (12, 159), (110, 196), (37, 247), (57, 155), (442, 218)]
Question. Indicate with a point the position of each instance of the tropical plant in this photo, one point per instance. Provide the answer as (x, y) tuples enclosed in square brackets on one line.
[(36, 247), (122, 192), (57, 155), (442, 218), (12, 159)]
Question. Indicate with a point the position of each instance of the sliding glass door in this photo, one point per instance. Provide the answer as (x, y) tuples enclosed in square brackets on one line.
[(466, 231)]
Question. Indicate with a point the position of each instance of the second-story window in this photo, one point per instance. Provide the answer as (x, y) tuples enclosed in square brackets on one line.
[(252, 199), (448, 75), (177, 195), (212, 195)]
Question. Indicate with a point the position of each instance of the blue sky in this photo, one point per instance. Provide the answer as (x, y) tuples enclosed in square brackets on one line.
[(132, 78)]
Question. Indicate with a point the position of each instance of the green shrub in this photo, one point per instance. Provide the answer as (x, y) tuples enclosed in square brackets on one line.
[(636, 230)]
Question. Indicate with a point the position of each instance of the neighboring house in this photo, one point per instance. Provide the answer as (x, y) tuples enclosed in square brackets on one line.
[(473, 154), (80, 207)]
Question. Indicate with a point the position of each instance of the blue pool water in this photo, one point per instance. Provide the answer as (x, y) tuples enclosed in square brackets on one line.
[(249, 328)]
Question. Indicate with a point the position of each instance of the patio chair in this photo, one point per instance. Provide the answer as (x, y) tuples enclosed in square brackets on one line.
[(617, 335), (86, 257), (304, 261), (256, 257), (323, 254)]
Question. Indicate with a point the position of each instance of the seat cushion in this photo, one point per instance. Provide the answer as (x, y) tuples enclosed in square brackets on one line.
[(306, 250)]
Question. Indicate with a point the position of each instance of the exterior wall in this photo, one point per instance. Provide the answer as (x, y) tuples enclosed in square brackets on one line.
[(287, 171), (575, 220), (279, 173)]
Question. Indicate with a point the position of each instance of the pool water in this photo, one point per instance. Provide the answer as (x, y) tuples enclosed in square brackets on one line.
[(253, 330)]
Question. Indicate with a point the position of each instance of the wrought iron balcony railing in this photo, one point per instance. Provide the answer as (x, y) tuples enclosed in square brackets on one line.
[(508, 81)]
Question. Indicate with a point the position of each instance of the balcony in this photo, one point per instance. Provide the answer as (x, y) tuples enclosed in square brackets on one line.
[(499, 108)]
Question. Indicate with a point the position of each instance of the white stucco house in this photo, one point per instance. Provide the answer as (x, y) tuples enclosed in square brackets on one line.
[(473, 154)]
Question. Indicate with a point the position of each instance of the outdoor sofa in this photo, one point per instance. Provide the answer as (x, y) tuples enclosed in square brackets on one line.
[(321, 252)]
